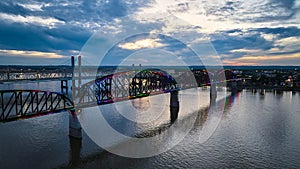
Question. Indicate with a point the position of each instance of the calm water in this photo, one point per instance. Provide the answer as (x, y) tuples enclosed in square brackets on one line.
[(256, 131)]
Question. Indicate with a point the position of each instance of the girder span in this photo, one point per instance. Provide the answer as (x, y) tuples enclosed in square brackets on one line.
[(17, 104), (125, 85)]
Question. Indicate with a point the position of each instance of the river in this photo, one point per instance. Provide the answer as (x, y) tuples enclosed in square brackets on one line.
[(256, 130)]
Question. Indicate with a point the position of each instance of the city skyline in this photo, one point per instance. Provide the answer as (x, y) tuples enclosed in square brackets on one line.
[(240, 33)]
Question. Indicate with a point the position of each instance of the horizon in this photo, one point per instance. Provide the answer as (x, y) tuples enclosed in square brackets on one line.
[(225, 66)]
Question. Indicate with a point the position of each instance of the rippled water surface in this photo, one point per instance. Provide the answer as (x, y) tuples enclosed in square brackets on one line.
[(257, 130)]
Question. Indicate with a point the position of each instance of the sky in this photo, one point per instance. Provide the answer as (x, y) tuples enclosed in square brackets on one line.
[(227, 32)]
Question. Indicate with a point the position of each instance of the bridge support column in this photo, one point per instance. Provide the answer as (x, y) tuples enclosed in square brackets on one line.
[(174, 105), (234, 87), (64, 86), (74, 125), (213, 93)]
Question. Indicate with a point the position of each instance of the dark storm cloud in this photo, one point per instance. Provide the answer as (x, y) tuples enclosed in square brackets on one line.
[(93, 10), (73, 22), (252, 40), (281, 31), (288, 4), (115, 8), (27, 37), (286, 7), (273, 10), (12, 8), (79, 20), (227, 43)]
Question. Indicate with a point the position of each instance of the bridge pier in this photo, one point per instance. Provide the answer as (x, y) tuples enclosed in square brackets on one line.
[(213, 93), (74, 125), (64, 86), (174, 105), (233, 87)]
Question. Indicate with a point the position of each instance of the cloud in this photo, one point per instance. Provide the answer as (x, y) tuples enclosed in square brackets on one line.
[(153, 57), (57, 26), (18, 36), (258, 41), (10, 7), (236, 28), (143, 43), (30, 54), (244, 50), (269, 57), (288, 41), (42, 21), (32, 7), (286, 45), (269, 37), (215, 16), (237, 63), (283, 59)]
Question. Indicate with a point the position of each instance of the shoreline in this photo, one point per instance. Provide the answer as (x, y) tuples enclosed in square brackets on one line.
[(270, 88)]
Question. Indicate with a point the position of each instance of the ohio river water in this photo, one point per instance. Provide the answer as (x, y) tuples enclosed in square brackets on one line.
[(256, 131)]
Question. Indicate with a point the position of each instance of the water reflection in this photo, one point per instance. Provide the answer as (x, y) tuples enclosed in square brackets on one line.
[(229, 102), (75, 151), (140, 105), (260, 133), (265, 138), (203, 119)]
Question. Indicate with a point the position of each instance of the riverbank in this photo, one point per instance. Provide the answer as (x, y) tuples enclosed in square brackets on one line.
[(284, 88)]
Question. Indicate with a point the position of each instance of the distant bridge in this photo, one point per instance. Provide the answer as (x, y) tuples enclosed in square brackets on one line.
[(63, 73)]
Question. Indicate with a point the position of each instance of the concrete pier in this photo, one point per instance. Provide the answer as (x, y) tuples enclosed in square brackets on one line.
[(174, 105), (213, 93)]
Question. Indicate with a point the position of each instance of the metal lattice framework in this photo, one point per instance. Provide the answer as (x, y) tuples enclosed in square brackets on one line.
[(26, 103), (151, 81), (125, 85)]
